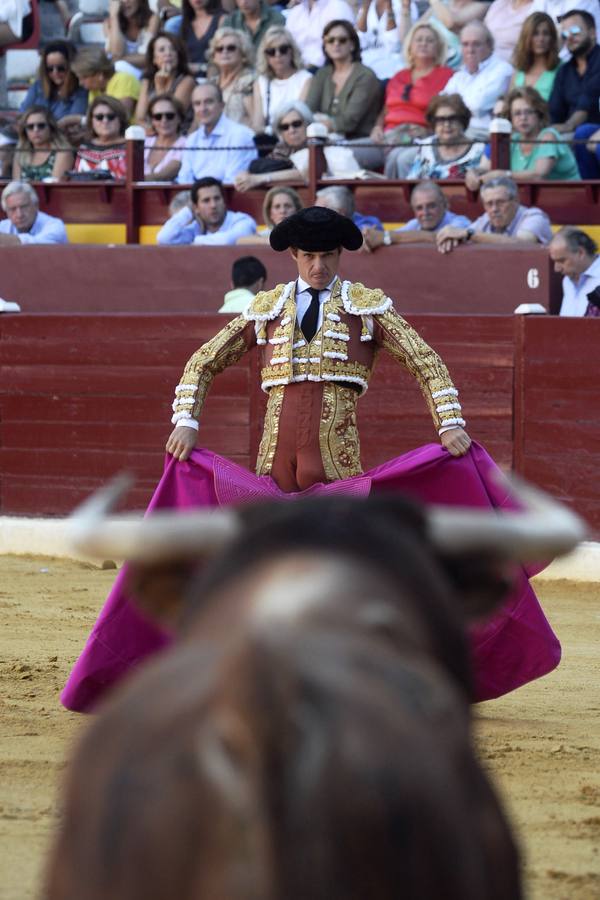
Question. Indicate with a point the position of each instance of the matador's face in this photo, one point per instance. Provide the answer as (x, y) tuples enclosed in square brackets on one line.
[(317, 268)]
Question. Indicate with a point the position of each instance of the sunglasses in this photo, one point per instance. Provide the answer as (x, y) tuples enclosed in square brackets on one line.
[(285, 126), (446, 120), (337, 40), (36, 126), (169, 116), (406, 91), (101, 117), (574, 29), (283, 50), (227, 48), (59, 68)]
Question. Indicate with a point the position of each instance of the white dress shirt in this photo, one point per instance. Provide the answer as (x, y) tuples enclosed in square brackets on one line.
[(307, 23), (575, 301), (481, 89), (45, 230), (225, 164)]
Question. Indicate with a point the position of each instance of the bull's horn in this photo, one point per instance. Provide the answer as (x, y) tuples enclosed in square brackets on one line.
[(544, 528), (158, 537)]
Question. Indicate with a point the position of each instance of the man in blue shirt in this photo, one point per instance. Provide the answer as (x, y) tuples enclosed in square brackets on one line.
[(206, 221), (430, 207), (234, 142), (25, 224)]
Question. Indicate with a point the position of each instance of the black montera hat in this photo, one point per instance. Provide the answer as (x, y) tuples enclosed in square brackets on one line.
[(316, 229)]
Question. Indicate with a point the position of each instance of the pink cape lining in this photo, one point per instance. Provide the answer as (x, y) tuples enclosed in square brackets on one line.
[(516, 646)]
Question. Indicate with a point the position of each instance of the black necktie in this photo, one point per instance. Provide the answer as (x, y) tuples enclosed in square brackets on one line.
[(311, 316)]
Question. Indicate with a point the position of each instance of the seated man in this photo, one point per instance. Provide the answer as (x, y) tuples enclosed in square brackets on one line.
[(574, 97), (505, 220), (575, 257), (248, 276), (430, 207), (206, 220), (216, 132), (482, 78), (341, 200), (25, 224), (254, 18)]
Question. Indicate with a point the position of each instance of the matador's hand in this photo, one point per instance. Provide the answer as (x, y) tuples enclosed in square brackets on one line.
[(456, 441), (182, 441)]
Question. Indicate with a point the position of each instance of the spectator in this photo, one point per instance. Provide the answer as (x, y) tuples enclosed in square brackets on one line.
[(97, 75), (207, 221), (536, 59), (505, 221), (254, 18), (129, 28), (430, 207), (178, 201), (165, 72), (248, 277), (588, 154), (57, 86), (482, 78), (42, 150), (575, 257), (537, 152), (196, 28), (25, 224), (448, 153), (559, 8), (306, 21), (230, 60), (279, 203), (377, 27), (574, 98), (447, 17), (344, 95), (505, 19), (163, 149), (290, 124), (104, 147), (216, 133), (341, 200), (280, 76)]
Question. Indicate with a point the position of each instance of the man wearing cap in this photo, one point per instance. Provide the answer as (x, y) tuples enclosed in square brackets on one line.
[(319, 336)]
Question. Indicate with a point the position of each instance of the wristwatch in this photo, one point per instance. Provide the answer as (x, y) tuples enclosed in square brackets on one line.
[(469, 232), (387, 239)]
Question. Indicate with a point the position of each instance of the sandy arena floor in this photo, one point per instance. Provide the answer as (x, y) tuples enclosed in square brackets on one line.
[(542, 744)]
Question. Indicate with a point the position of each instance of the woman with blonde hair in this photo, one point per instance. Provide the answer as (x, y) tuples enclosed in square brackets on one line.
[(281, 75), (279, 203), (230, 61), (42, 150)]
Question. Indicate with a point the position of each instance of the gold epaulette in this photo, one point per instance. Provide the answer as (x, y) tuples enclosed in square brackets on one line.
[(267, 305), (359, 300)]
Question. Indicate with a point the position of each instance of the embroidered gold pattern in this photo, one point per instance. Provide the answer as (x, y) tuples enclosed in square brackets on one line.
[(268, 442), (364, 300), (262, 305), (338, 433)]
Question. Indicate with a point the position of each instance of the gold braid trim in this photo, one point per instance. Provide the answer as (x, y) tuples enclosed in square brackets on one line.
[(338, 433), (268, 442)]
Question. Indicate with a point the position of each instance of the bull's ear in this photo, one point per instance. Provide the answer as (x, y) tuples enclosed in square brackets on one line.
[(481, 581), (158, 590)]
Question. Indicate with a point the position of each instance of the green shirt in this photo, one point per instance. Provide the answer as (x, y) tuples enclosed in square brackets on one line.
[(268, 18), (565, 167)]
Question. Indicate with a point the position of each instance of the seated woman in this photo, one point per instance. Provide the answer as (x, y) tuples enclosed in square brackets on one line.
[(280, 76), (279, 203), (537, 153), (230, 60), (165, 72), (536, 58), (196, 27), (104, 149), (344, 95), (290, 123), (57, 86), (505, 20), (97, 75), (42, 150), (163, 149), (129, 28), (448, 153)]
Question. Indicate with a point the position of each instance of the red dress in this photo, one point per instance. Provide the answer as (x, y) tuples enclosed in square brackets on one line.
[(406, 100)]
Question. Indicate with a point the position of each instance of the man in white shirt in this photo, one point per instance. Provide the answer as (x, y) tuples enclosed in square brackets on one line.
[(234, 142), (25, 224), (206, 220), (306, 22), (575, 257), (482, 78)]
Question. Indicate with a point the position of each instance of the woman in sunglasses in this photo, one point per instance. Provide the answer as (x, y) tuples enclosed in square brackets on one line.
[(289, 123), (448, 153), (162, 149), (344, 95), (104, 149), (230, 60), (42, 150), (166, 72), (57, 86), (281, 76)]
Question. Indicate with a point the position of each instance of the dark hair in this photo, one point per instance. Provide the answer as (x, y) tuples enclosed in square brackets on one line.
[(209, 181), (531, 96), (576, 239), (246, 271), (583, 14), (455, 102), (115, 105), (71, 82), (150, 68), (523, 54), (141, 16), (187, 11), (350, 31), (175, 103)]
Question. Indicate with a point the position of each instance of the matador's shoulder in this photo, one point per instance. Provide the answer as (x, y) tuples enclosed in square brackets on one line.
[(267, 304), (359, 300)]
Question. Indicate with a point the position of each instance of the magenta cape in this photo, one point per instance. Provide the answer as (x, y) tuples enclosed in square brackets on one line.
[(514, 647)]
